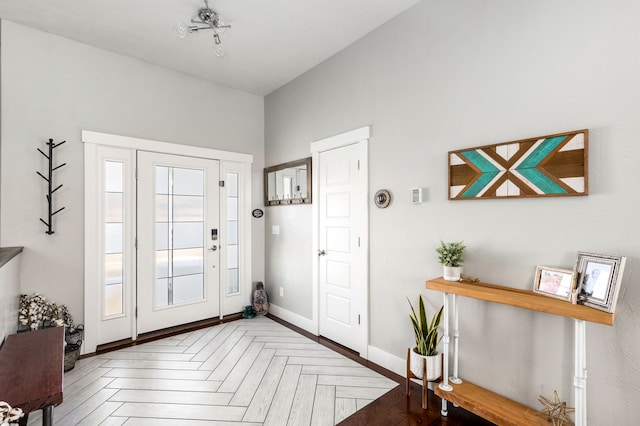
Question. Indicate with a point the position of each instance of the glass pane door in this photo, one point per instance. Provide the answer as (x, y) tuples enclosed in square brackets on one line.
[(179, 236), (113, 300), (233, 275), (178, 261), (235, 293)]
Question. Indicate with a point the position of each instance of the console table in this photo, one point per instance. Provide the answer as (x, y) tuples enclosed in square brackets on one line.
[(31, 371), (485, 403)]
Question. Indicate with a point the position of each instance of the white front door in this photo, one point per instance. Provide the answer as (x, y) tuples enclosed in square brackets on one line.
[(178, 240), (342, 251)]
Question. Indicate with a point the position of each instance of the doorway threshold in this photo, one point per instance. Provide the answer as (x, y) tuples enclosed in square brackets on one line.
[(161, 334)]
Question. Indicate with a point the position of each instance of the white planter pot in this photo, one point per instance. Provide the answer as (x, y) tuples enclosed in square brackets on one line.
[(452, 273), (434, 365)]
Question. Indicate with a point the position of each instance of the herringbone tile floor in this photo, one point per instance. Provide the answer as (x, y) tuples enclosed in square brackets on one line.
[(246, 372)]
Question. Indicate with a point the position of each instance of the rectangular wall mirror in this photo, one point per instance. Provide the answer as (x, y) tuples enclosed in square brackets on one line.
[(288, 183)]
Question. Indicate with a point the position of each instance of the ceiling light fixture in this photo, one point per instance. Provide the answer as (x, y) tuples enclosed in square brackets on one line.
[(208, 19)]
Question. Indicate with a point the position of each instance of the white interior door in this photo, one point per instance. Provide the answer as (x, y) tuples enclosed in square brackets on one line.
[(178, 240), (342, 251)]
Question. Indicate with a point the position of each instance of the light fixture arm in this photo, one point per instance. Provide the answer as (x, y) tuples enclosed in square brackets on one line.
[(194, 28)]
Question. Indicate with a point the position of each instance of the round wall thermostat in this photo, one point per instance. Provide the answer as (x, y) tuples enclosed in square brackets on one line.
[(382, 198), (257, 213)]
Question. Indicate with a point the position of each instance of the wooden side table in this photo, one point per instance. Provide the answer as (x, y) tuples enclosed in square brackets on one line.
[(31, 371)]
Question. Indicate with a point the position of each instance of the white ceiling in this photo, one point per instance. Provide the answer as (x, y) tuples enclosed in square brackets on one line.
[(270, 42)]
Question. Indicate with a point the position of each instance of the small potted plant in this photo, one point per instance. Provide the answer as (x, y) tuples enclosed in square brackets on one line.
[(450, 256), (426, 335)]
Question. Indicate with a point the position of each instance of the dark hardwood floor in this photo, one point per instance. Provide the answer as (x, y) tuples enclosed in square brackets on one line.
[(395, 408)]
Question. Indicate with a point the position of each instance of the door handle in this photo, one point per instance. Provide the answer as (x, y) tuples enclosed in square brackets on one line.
[(213, 248), (321, 252)]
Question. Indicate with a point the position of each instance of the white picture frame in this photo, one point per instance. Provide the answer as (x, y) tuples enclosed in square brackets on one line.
[(555, 282)]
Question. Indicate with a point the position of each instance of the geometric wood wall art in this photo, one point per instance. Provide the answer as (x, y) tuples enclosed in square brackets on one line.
[(546, 166)]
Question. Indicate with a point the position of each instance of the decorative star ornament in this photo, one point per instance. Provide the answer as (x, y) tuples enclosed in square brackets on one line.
[(556, 411)]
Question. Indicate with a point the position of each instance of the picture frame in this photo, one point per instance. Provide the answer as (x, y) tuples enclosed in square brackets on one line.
[(599, 277), (556, 283)]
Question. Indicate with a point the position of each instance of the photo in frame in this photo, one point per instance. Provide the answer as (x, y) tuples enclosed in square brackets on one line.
[(554, 282), (599, 278)]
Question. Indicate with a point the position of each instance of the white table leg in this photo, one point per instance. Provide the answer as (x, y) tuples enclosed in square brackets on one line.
[(455, 379), (445, 386), (580, 377)]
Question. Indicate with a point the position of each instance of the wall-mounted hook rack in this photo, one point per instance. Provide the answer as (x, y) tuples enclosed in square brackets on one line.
[(50, 188)]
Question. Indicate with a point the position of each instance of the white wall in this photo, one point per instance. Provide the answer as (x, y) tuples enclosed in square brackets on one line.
[(453, 74), (54, 88)]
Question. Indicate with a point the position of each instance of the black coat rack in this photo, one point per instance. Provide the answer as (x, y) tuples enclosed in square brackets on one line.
[(49, 180)]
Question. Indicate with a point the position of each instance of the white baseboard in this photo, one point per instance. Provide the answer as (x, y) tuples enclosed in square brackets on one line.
[(390, 362), (296, 319)]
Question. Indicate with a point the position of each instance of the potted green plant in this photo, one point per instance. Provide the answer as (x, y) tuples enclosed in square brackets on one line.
[(426, 334), (450, 256)]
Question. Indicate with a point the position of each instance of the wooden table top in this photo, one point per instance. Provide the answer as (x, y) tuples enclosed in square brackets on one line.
[(32, 369)]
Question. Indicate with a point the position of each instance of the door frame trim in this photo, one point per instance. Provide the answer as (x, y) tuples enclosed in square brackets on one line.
[(358, 137), (163, 147), (93, 139)]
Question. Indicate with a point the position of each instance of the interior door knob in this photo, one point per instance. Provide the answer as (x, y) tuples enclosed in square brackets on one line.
[(321, 252)]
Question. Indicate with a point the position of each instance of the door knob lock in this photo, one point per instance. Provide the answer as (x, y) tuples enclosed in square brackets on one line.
[(321, 252), (213, 248)]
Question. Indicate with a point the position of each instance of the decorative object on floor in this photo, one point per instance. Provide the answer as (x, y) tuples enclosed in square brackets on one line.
[(599, 277), (208, 19), (9, 415), (556, 411), (410, 376), (36, 312), (249, 312), (382, 198), (450, 256), (260, 299), (553, 165), (424, 361), (50, 189), (554, 282), (426, 336)]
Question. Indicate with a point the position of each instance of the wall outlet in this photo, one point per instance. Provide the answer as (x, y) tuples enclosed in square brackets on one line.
[(281, 291), (275, 230)]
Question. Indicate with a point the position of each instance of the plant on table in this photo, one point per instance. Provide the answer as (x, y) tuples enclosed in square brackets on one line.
[(450, 254)]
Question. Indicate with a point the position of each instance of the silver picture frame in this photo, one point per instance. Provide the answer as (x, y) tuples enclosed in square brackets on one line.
[(599, 277)]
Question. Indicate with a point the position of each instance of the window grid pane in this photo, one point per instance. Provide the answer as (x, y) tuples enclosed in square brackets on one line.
[(113, 281), (179, 235), (233, 234)]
